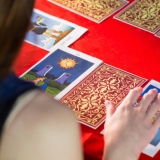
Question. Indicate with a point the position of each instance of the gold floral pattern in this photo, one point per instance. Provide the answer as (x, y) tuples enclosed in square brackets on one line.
[(144, 14), (106, 82), (94, 9)]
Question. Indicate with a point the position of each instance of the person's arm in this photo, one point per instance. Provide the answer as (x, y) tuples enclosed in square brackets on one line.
[(43, 130), (129, 129)]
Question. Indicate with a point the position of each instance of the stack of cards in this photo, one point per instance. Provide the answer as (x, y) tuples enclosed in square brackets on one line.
[(95, 10), (143, 14)]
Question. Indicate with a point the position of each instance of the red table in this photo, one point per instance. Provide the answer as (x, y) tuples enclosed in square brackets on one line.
[(117, 44)]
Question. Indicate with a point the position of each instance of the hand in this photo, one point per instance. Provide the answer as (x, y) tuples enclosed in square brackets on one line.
[(128, 129)]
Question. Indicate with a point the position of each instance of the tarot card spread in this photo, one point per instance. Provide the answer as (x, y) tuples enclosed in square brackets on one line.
[(144, 14), (46, 31), (105, 83), (96, 10)]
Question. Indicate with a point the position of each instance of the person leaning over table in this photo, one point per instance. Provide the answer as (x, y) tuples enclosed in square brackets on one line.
[(33, 126)]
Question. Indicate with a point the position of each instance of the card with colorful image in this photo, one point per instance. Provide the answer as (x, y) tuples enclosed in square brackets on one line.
[(46, 31), (143, 14), (59, 71), (95, 10)]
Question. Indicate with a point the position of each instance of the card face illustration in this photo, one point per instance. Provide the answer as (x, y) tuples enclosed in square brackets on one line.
[(61, 70), (154, 145), (46, 31), (105, 83), (143, 14), (95, 10)]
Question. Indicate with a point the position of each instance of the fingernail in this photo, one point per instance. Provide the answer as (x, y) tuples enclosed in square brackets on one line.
[(107, 103)]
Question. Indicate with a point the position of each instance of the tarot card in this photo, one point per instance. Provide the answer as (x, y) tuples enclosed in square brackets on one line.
[(152, 84), (95, 10), (59, 71), (154, 145), (158, 34), (143, 14), (105, 83), (46, 31)]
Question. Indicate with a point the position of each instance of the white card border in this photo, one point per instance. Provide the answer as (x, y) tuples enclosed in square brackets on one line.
[(150, 150), (152, 82)]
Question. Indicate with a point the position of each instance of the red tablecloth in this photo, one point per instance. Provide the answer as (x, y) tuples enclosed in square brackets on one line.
[(117, 44)]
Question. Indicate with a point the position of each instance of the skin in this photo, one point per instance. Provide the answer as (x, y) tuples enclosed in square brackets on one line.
[(43, 130), (129, 129)]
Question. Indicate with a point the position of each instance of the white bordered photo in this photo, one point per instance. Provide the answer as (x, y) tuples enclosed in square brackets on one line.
[(46, 31)]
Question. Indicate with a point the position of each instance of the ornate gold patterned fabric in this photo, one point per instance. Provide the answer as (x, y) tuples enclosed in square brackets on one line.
[(94, 9), (88, 97), (143, 14)]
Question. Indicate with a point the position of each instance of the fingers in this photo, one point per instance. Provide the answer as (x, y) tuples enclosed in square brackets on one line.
[(147, 99), (156, 123), (110, 108), (154, 107), (132, 97)]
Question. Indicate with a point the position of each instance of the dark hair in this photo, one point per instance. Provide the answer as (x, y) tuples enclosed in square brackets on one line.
[(14, 20)]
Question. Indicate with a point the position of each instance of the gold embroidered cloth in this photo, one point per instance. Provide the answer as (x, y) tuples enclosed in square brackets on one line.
[(88, 97)]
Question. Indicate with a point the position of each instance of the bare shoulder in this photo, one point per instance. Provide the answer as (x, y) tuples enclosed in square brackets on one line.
[(43, 129), (42, 110), (46, 108)]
